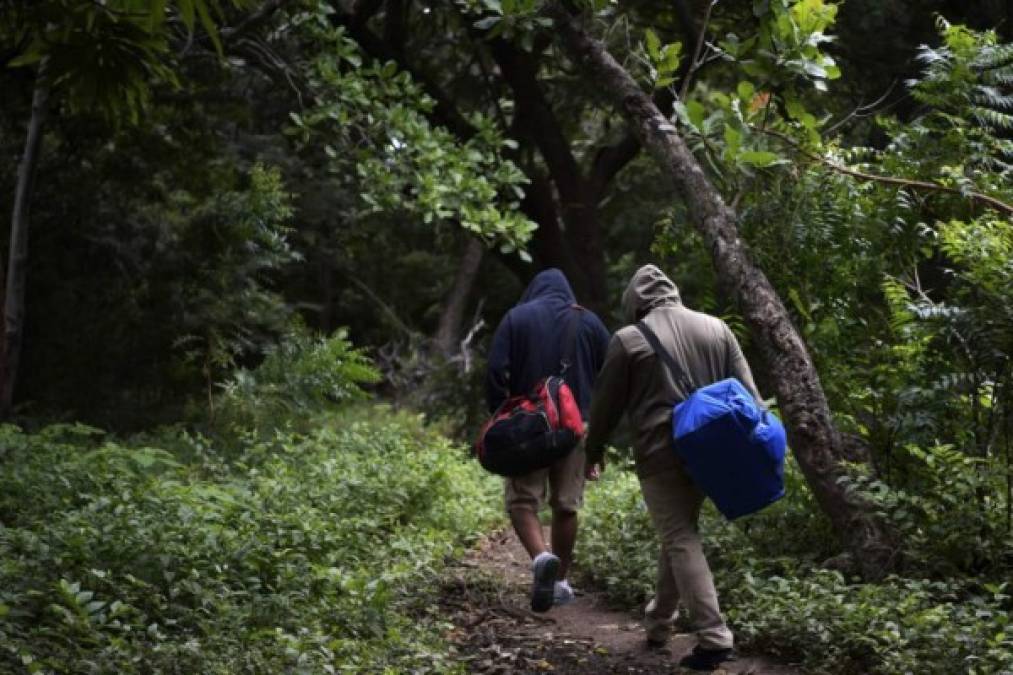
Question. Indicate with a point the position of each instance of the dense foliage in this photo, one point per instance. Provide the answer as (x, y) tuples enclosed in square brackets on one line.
[(898, 276), (283, 179), (226, 193), (169, 553), (303, 534), (780, 598)]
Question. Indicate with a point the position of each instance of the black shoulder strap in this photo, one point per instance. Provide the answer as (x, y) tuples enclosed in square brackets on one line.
[(677, 373), (570, 340)]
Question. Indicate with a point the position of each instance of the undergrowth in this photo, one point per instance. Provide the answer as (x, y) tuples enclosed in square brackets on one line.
[(308, 552), (779, 599)]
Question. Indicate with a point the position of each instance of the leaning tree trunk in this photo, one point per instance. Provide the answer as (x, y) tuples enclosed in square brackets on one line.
[(14, 299), (448, 333), (818, 445)]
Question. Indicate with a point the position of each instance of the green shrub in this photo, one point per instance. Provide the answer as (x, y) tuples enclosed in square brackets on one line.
[(300, 375), (306, 553), (945, 509)]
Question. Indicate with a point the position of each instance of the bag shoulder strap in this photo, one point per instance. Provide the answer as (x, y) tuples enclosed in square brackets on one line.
[(570, 340), (674, 369)]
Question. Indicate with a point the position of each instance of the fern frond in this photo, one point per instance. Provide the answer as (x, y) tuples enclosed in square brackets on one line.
[(930, 56), (857, 154), (996, 165), (928, 312), (899, 303), (905, 202), (992, 118), (993, 56), (992, 98), (999, 76)]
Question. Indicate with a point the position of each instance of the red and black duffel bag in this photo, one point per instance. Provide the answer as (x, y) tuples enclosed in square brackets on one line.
[(532, 431)]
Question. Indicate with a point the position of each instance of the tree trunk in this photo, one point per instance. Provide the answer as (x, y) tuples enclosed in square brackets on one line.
[(578, 203), (818, 446), (325, 278), (584, 237), (14, 300), (548, 246), (448, 334)]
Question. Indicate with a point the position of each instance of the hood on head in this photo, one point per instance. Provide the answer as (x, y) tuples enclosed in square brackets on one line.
[(649, 288), (547, 284)]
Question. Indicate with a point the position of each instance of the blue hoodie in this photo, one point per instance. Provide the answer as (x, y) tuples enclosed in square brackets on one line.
[(528, 344)]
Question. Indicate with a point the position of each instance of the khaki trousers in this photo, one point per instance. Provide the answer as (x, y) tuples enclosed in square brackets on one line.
[(683, 574), (565, 479)]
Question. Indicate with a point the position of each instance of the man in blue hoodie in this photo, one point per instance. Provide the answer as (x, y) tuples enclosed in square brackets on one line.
[(528, 346)]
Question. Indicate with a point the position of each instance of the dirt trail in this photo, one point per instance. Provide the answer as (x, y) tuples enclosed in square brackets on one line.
[(486, 598)]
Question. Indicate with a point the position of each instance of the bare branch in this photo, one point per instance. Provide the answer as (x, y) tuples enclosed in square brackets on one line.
[(466, 343), (864, 110), (695, 61)]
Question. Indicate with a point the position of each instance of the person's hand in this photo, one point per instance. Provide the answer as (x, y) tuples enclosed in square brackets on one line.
[(593, 471)]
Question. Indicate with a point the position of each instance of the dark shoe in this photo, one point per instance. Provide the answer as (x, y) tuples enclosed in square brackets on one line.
[(707, 659), (543, 587), (658, 633)]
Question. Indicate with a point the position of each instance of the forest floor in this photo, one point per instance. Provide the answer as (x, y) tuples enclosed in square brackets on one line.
[(486, 599)]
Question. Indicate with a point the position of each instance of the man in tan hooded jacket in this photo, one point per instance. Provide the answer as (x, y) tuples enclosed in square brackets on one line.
[(635, 381)]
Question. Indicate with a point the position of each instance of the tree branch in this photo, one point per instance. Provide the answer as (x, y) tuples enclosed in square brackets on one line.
[(972, 195), (612, 159), (538, 203), (694, 62), (577, 205), (520, 72), (17, 262)]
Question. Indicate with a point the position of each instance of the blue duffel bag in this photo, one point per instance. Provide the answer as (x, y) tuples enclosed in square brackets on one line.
[(731, 446)]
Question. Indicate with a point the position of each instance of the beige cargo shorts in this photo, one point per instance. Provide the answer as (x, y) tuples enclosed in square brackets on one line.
[(565, 481)]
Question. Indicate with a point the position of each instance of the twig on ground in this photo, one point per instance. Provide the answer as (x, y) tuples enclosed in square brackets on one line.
[(483, 615)]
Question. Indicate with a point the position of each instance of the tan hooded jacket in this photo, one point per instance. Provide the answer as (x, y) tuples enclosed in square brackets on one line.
[(635, 381)]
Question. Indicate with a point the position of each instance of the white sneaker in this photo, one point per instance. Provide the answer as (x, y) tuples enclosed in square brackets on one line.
[(544, 568), (562, 594)]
